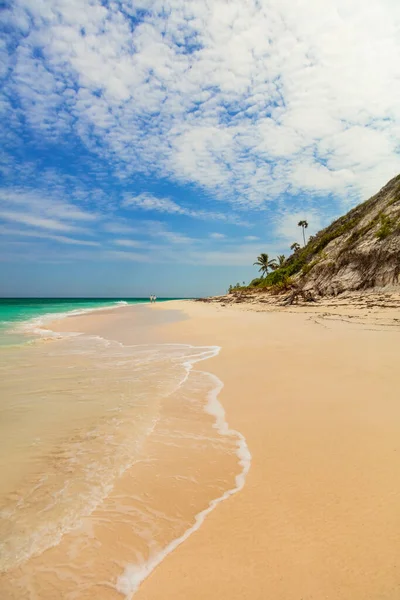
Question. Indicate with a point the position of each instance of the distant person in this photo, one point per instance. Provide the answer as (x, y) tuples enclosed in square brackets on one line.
[(154, 298)]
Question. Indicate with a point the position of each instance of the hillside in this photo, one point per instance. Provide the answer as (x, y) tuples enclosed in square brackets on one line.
[(358, 251)]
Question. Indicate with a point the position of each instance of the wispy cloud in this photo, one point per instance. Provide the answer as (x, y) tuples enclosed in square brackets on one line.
[(62, 239), (120, 228), (240, 255), (286, 107), (149, 202), (286, 98), (41, 222), (41, 211), (128, 243), (37, 202)]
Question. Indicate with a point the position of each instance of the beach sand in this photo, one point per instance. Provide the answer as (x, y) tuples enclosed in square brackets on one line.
[(317, 399), (315, 393)]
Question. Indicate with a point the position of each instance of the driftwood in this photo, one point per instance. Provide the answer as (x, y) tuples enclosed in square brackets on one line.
[(297, 295)]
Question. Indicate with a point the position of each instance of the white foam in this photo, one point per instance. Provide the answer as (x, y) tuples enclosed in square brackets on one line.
[(36, 325), (129, 582), (134, 575)]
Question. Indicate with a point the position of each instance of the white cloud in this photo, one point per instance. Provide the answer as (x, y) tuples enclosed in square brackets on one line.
[(62, 239), (120, 228), (288, 229), (41, 222), (177, 238), (240, 256), (149, 231), (249, 100), (34, 201), (43, 211), (251, 238), (149, 202), (217, 236), (128, 243)]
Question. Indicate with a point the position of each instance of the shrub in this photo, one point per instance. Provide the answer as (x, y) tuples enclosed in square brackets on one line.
[(322, 241), (256, 282), (275, 277), (356, 235), (285, 284), (307, 268), (386, 227)]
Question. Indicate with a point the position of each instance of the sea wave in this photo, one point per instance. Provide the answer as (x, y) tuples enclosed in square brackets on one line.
[(134, 575), (111, 452), (121, 379), (37, 325)]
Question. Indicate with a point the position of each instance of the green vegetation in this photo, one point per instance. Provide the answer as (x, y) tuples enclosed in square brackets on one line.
[(284, 284), (280, 261), (264, 263), (394, 200), (303, 224), (279, 274), (321, 241), (356, 235), (237, 287), (386, 227), (302, 260), (256, 282), (307, 268)]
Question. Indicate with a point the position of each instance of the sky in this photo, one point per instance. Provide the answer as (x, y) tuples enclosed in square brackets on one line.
[(158, 146)]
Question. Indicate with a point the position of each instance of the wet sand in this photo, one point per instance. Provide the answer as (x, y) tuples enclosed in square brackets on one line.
[(317, 400), (133, 452)]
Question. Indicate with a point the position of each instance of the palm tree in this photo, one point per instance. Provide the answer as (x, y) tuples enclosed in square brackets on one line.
[(303, 224), (264, 263), (295, 247), (281, 260)]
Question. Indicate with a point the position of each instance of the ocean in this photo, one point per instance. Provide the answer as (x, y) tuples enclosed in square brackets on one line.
[(15, 312), (111, 454)]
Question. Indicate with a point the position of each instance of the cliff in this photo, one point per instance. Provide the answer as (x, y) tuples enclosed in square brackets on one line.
[(360, 250)]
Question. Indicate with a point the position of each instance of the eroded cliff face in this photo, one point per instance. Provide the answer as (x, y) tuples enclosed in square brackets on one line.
[(360, 250)]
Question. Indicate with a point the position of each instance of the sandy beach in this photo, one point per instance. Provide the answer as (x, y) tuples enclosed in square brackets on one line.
[(318, 403), (200, 300), (314, 391)]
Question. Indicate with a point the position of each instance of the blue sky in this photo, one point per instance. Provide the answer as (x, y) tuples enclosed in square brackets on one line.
[(159, 146)]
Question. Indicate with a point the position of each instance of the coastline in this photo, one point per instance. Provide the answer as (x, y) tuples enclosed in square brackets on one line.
[(205, 413), (313, 392)]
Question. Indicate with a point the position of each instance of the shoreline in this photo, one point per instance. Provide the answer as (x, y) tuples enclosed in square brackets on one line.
[(360, 306), (323, 441), (132, 575), (130, 581), (34, 325), (313, 391), (342, 362)]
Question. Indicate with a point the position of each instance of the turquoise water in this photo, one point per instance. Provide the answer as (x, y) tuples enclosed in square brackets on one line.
[(14, 311), (94, 435)]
